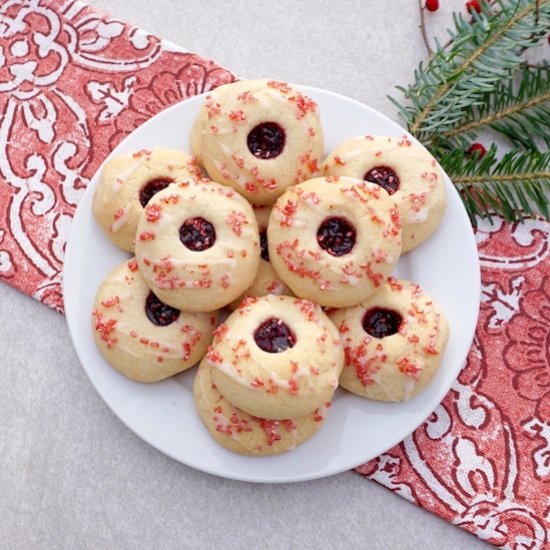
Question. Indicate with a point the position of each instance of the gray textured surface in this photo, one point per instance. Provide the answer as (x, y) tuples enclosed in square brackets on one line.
[(71, 475)]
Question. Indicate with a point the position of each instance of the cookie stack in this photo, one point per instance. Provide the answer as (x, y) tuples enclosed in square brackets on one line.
[(256, 223)]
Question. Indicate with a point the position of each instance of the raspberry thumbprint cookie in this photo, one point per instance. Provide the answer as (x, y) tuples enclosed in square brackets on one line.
[(258, 136)]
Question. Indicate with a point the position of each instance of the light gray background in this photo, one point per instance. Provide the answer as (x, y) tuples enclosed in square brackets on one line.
[(71, 475)]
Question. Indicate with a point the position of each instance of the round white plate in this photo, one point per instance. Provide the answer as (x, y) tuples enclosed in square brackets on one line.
[(356, 430)]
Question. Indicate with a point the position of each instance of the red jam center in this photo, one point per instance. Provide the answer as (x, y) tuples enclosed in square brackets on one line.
[(197, 234), (266, 141), (274, 336), (159, 313), (264, 251), (336, 236), (380, 322), (152, 188), (384, 177)]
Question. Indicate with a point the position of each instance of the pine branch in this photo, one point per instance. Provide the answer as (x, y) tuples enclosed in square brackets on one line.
[(518, 111), (479, 80), (481, 53), (516, 186)]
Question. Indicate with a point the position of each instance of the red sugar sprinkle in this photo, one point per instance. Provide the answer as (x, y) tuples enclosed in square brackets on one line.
[(212, 107), (147, 236), (338, 160), (236, 220), (132, 265), (281, 86), (251, 187), (110, 302), (257, 382), (405, 142), (311, 163), (289, 425), (365, 367), (213, 356), (272, 386), (430, 349), (153, 212), (118, 214), (186, 350), (225, 280), (343, 327), (317, 417), (237, 116), (287, 213), (174, 199), (305, 104), (220, 333), (407, 367), (395, 217), (273, 286), (395, 285), (105, 327), (141, 153), (270, 429), (247, 97), (239, 161)]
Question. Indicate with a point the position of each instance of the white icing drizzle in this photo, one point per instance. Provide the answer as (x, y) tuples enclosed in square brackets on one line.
[(273, 95), (219, 131), (237, 178), (119, 223), (121, 179), (418, 217), (409, 387), (349, 155), (230, 371)]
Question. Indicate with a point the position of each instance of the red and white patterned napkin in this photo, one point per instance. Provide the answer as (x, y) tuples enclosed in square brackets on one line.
[(74, 83)]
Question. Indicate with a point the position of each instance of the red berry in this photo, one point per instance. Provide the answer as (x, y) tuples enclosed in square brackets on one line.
[(477, 147), (473, 5), (432, 5)]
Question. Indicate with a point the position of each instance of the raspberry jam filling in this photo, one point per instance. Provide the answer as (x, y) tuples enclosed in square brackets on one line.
[(336, 236), (197, 234), (274, 336), (380, 322), (384, 177), (264, 251), (158, 312), (151, 188), (266, 141)]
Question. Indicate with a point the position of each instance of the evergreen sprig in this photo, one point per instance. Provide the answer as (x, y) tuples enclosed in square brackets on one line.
[(480, 80), (518, 108), (511, 185)]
